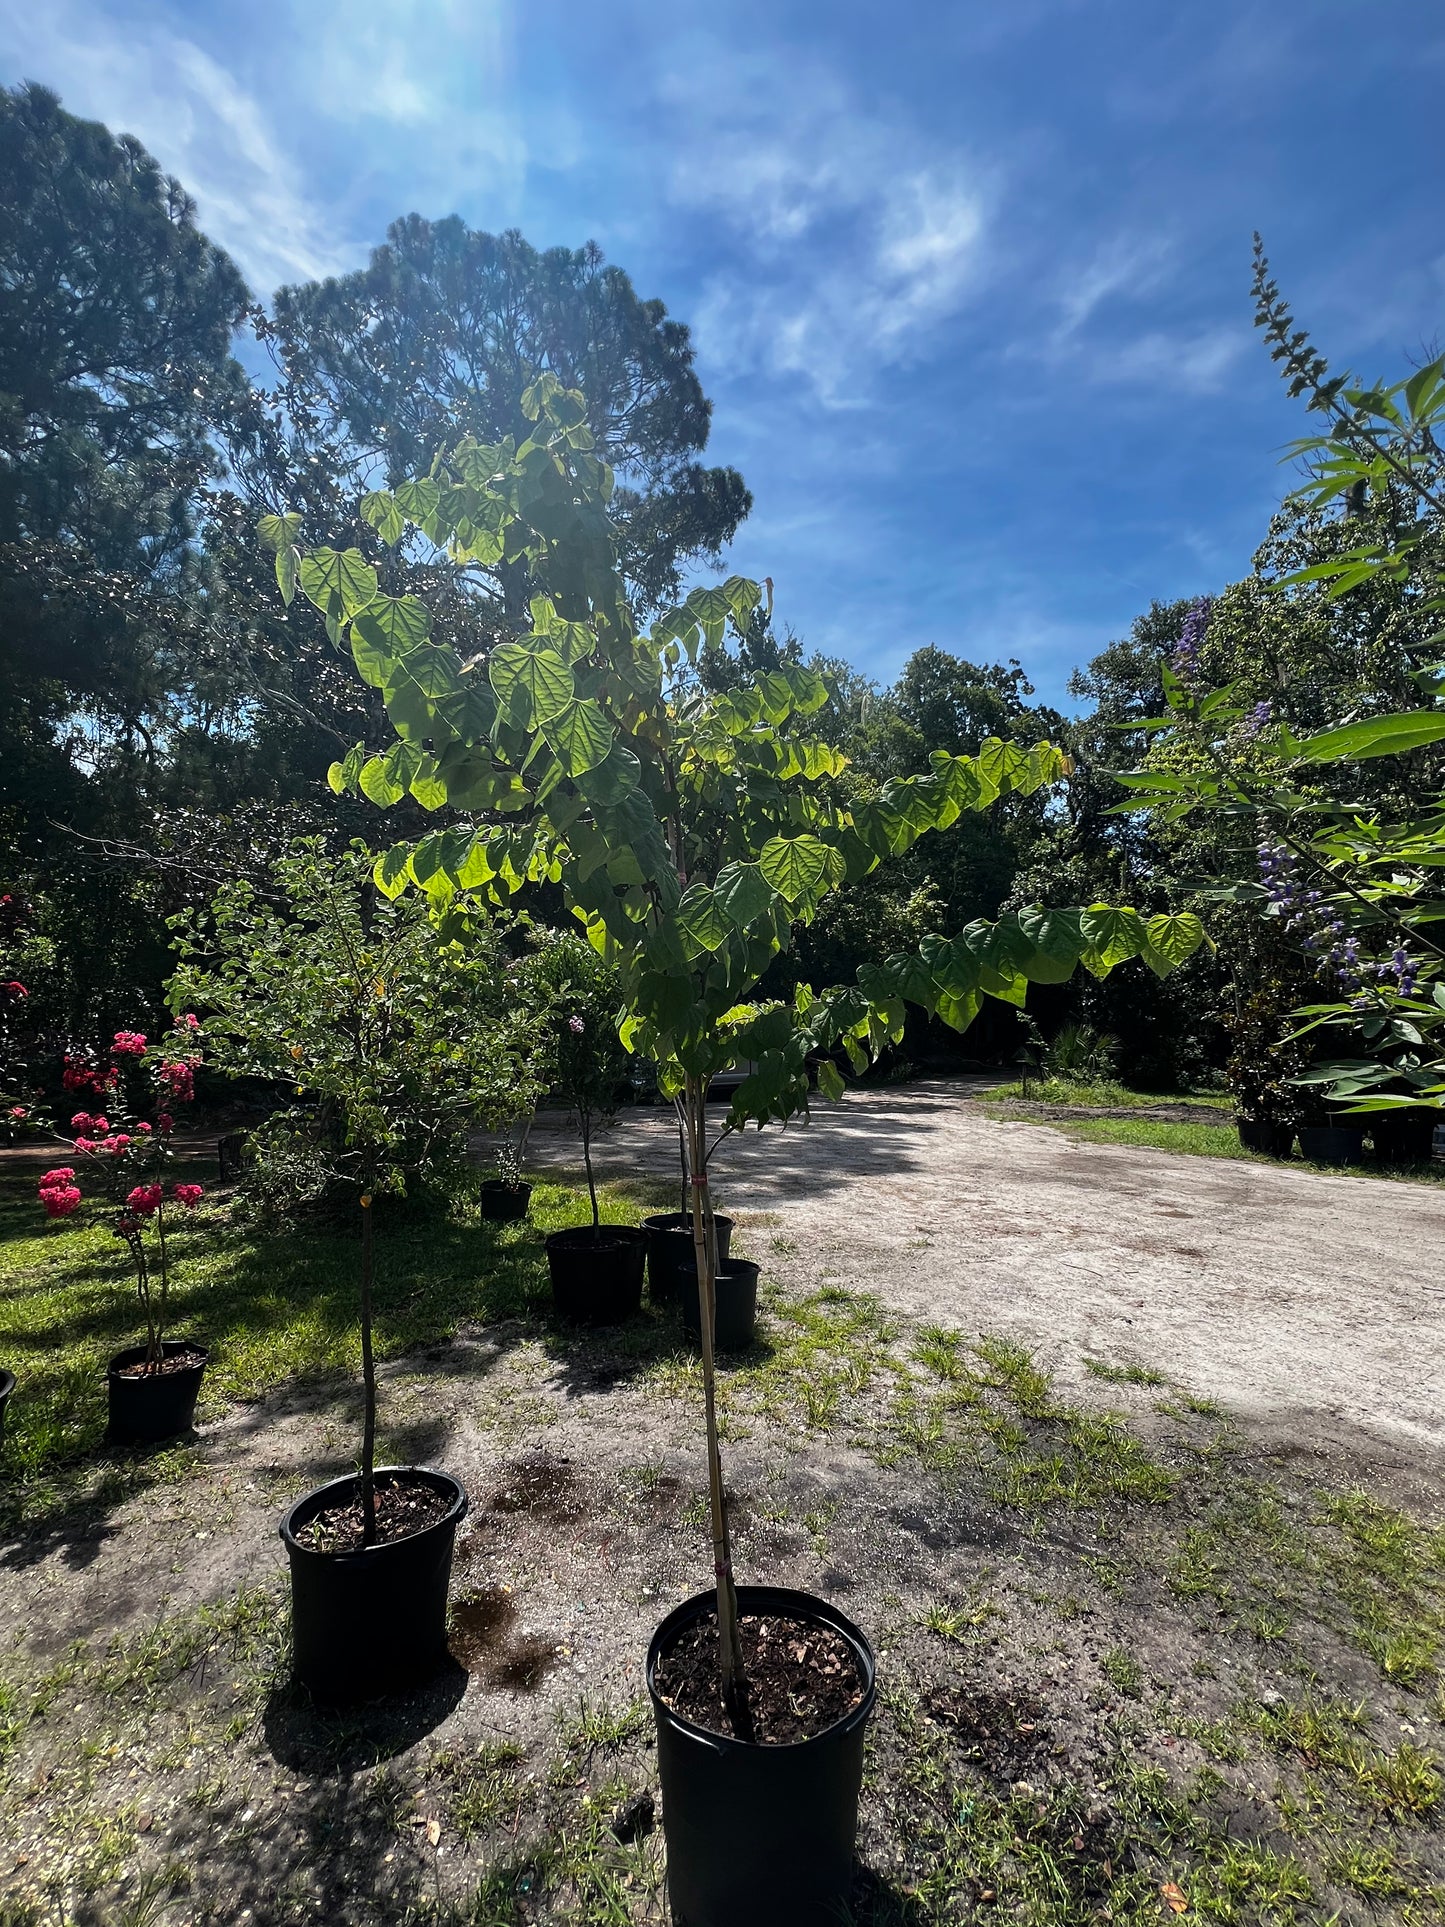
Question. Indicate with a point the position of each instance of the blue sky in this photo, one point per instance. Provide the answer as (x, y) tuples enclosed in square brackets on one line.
[(969, 282)]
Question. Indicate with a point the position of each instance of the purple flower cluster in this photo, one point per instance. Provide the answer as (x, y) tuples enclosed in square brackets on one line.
[(1402, 966), (1185, 661), (1258, 719), (1321, 933)]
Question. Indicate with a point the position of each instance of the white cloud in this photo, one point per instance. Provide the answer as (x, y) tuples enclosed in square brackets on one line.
[(1197, 361), (857, 239), (1127, 265), (196, 118)]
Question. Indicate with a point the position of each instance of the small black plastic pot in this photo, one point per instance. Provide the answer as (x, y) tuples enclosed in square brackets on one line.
[(504, 1203), (371, 1622), (1258, 1134), (737, 1304), (761, 1834), (7, 1386), (597, 1274), (670, 1249), (1332, 1143), (144, 1409)]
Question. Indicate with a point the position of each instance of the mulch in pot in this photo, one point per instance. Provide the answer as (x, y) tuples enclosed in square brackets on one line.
[(401, 1510), (801, 1678), (171, 1362)]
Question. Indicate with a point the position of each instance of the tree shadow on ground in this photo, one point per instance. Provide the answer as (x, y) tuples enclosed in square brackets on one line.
[(877, 1902), (335, 1742)]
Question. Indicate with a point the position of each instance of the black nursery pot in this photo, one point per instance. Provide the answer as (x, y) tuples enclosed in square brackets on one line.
[(374, 1621), (597, 1276), (7, 1386), (737, 1304), (670, 1249), (1331, 1144), (504, 1203), (1404, 1137), (1257, 1134), (762, 1834), (145, 1409)]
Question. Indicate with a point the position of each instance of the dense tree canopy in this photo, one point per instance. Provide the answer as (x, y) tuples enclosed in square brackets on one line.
[(440, 334)]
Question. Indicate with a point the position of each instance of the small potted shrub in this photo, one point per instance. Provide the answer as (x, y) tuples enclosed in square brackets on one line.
[(405, 1043), (152, 1387), (691, 832), (505, 1197)]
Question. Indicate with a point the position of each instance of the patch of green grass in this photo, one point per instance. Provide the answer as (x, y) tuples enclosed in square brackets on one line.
[(1123, 1672), (998, 1417), (1123, 1374), (960, 1623), (1102, 1094), (1368, 1869)]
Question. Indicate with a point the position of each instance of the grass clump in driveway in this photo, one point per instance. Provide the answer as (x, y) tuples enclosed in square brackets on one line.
[(995, 1414)]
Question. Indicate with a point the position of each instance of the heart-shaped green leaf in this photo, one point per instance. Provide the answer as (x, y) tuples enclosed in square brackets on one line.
[(531, 680), (339, 582), (580, 736)]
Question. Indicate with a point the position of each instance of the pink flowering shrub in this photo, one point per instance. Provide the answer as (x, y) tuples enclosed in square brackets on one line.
[(127, 1157)]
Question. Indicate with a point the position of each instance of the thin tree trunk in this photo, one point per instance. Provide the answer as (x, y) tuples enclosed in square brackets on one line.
[(368, 1379), (587, 1160), (143, 1287), (704, 1234), (165, 1276)]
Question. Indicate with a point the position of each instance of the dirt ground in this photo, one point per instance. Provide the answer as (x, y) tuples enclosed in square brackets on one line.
[(1310, 1306), (1159, 1629)]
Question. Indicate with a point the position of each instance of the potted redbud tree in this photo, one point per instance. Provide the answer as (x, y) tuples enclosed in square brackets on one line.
[(691, 833)]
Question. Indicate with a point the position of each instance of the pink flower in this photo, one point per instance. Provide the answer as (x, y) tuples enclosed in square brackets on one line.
[(179, 1079), (86, 1144), (62, 1174), (128, 1043), (145, 1198), (576, 1025), (83, 1121), (112, 1146), (144, 1130), (16, 990), (60, 1200), (165, 1122), (18, 1111), (189, 1022), (187, 1194)]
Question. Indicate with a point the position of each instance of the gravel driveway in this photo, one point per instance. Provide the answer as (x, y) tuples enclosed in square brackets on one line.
[(1312, 1307)]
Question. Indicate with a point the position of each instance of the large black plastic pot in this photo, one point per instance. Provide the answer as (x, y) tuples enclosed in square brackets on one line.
[(504, 1203), (1404, 1137), (143, 1409), (374, 1621), (7, 1386), (737, 1304), (1258, 1134), (1331, 1144), (760, 1834), (597, 1275), (670, 1249)]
